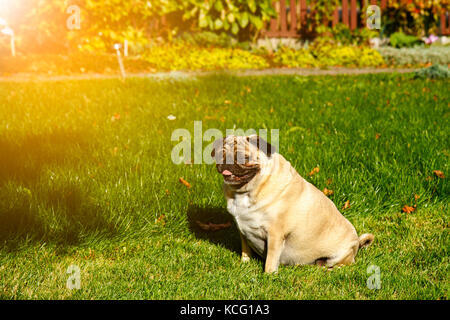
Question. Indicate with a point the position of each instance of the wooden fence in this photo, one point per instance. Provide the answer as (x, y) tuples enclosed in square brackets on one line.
[(292, 16)]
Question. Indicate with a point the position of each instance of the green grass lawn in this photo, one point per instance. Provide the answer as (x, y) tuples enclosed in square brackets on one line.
[(86, 179)]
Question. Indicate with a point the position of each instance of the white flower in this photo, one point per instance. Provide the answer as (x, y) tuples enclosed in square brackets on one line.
[(171, 117)]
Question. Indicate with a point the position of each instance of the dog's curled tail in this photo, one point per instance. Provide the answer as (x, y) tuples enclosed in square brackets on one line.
[(365, 240)]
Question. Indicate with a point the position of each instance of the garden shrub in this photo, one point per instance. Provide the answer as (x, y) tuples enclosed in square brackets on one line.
[(415, 56), (401, 40), (186, 57), (328, 55), (416, 17), (294, 58), (342, 34), (436, 71), (207, 39)]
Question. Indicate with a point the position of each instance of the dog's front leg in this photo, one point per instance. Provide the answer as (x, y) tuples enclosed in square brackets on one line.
[(246, 251), (275, 245)]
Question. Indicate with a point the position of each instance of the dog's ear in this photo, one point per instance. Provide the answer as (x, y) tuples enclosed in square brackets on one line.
[(262, 144)]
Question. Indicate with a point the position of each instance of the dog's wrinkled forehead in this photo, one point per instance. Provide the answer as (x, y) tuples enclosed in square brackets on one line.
[(238, 144), (250, 146)]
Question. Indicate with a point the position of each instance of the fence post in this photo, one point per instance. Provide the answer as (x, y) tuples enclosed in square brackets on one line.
[(293, 7), (345, 12), (303, 9), (282, 14), (353, 15)]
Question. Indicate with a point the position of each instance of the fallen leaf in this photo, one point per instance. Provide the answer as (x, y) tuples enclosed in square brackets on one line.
[(346, 205), (187, 184), (161, 219), (213, 226), (314, 171), (227, 102), (439, 174), (408, 209), (328, 192), (115, 117), (377, 136), (329, 181), (416, 197)]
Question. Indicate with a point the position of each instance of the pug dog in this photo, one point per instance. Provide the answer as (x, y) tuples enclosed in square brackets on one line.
[(279, 215)]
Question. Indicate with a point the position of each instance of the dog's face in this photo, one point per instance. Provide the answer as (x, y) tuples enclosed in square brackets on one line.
[(239, 159)]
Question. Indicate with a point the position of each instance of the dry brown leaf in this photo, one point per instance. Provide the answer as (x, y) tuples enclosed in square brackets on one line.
[(115, 117), (408, 209), (314, 171), (328, 192), (377, 136), (161, 219), (187, 184), (439, 174), (329, 181), (346, 205), (416, 197), (213, 226)]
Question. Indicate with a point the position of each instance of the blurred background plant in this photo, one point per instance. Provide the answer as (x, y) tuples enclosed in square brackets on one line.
[(401, 40), (415, 17), (437, 71), (415, 56), (160, 32), (42, 24)]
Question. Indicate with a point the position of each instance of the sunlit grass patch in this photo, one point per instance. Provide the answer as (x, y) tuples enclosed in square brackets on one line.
[(86, 179)]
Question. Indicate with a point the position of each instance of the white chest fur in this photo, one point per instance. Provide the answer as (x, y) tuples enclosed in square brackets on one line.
[(251, 222)]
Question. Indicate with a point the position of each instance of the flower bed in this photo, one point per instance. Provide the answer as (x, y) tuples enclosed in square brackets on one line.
[(188, 57), (329, 56)]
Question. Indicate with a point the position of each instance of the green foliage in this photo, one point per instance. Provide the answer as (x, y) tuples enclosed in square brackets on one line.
[(342, 34), (401, 40), (415, 56), (288, 57), (319, 11), (436, 71), (327, 55), (237, 16), (208, 39), (180, 56), (42, 24), (418, 17)]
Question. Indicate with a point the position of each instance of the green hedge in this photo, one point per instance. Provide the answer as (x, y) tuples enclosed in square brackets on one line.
[(415, 56)]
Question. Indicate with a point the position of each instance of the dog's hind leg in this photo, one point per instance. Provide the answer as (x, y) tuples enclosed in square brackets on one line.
[(347, 257)]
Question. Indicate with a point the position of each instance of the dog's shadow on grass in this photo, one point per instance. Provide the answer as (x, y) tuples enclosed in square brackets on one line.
[(227, 237)]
